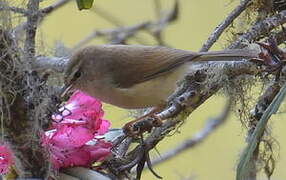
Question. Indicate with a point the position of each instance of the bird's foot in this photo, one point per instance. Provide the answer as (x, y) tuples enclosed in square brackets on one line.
[(139, 126), (271, 56)]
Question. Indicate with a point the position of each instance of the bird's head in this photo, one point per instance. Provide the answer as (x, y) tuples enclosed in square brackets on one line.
[(74, 72)]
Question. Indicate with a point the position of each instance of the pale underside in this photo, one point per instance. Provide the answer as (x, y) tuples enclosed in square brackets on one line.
[(142, 95)]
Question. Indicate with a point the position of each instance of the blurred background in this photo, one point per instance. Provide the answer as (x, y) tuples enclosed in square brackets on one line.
[(217, 156)]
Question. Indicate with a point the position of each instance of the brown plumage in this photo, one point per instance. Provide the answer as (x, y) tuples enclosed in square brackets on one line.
[(133, 76)]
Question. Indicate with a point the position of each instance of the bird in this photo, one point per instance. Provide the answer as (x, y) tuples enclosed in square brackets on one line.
[(136, 76)]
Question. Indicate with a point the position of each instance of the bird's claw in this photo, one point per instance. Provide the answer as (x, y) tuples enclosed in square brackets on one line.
[(136, 128), (270, 56)]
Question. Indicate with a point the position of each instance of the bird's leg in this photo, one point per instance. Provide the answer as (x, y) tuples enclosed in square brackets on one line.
[(143, 123), (145, 159), (271, 56)]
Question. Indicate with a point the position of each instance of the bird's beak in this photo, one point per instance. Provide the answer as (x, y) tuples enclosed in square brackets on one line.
[(65, 89)]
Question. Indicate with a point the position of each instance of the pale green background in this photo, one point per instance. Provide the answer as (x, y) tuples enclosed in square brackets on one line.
[(216, 157)]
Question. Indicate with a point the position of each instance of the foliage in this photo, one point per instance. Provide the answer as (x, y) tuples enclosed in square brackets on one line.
[(84, 4)]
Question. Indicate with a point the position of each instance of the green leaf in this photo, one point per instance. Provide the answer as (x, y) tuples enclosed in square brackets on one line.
[(243, 167), (84, 4)]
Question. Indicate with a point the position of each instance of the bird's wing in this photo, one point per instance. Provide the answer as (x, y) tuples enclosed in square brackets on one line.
[(136, 64)]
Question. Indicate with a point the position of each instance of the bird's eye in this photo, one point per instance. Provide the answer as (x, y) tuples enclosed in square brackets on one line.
[(77, 74)]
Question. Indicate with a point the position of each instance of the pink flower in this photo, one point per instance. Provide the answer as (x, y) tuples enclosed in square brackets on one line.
[(6, 159), (73, 140), (67, 137), (74, 146), (100, 151), (83, 110)]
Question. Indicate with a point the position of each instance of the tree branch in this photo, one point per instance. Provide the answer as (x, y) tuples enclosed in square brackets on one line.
[(117, 35), (280, 36), (121, 34), (224, 24), (32, 22), (246, 168), (57, 64), (13, 9), (184, 101), (41, 14), (261, 28), (52, 7), (210, 126), (255, 115), (192, 93)]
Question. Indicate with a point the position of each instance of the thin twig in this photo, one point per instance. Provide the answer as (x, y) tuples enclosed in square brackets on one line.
[(32, 22), (121, 34), (157, 27), (114, 21), (13, 9), (224, 24), (53, 6), (210, 126), (117, 36), (41, 14), (261, 28)]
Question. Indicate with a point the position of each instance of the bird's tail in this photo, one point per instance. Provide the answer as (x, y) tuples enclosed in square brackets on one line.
[(227, 55)]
